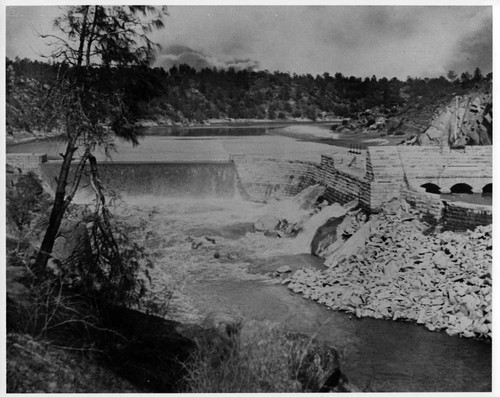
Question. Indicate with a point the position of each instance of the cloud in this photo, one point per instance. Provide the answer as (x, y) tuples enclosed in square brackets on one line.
[(390, 41), (178, 54), (473, 50), (400, 41)]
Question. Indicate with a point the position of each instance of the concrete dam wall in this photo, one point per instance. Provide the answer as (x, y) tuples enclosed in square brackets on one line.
[(193, 179), (372, 176), (253, 179)]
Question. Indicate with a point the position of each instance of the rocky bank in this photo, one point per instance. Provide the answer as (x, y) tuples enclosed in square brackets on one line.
[(396, 267)]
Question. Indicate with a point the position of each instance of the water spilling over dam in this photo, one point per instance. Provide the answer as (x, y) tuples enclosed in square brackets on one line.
[(165, 179)]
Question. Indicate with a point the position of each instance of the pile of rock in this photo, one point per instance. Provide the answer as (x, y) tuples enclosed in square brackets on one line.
[(440, 280)]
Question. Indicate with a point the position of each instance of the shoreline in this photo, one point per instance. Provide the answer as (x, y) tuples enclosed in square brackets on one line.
[(27, 137), (10, 140)]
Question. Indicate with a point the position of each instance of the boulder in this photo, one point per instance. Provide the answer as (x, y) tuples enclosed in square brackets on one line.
[(351, 246), (272, 233), (284, 269), (267, 223), (326, 235), (72, 238), (351, 205), (226, 323), (319, 369), (216, 337), (392, 123)]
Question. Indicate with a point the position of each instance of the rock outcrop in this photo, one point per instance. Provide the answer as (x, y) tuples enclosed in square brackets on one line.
[(326, 235), (337, 232), (466, 120)]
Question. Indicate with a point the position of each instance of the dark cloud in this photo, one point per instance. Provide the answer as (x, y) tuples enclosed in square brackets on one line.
[(178, 54), (388, 41), (474, 50), (353, 28), (178, 49), (390, 22)]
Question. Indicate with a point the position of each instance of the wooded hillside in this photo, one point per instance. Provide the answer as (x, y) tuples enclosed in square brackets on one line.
[(185, 95)]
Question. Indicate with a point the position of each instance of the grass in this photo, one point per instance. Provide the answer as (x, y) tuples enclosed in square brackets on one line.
[(264, 359)]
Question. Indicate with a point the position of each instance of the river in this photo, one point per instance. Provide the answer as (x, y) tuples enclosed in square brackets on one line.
[(230, 274), (378, 355)]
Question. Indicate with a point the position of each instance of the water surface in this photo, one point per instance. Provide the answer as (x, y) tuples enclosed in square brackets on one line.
[(378, 355)]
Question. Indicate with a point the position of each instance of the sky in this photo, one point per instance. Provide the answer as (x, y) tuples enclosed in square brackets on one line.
[(361, 41)]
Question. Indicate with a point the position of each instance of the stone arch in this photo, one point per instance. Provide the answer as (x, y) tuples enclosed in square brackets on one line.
[(461, 188), (488, 189), (431, 188)]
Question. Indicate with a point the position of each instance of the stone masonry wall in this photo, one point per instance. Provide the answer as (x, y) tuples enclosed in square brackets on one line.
[(342, 173), (429, 205), (342, 184), (383, 179), (262, 179), (451, 215), (462, 216), (442, 166)]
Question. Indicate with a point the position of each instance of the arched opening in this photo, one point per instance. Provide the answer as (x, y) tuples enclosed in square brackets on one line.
[(431, 188), (461, 188), (488, 189)]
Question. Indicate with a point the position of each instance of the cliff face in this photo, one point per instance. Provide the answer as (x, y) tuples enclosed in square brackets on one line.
[(466, 120)]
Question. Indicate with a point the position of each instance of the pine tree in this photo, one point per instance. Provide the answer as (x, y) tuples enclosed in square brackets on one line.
[(95, 43)]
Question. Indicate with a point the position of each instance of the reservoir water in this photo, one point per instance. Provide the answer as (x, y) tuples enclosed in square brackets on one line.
[(230, 274)]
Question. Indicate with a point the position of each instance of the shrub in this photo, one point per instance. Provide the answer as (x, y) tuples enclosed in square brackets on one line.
[(26, 203), (68, 302)]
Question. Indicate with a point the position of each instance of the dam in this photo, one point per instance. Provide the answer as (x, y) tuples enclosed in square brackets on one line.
[(373, 176), (164, 179), (219, 195)]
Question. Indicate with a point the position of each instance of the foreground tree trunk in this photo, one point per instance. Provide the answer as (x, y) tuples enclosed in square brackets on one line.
[(61, 203)]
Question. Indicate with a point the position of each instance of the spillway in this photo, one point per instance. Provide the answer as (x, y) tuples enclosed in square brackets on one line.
[(165, 179)]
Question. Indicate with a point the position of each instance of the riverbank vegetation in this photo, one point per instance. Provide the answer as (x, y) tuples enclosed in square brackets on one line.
[(186, 95), (268, 359)]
